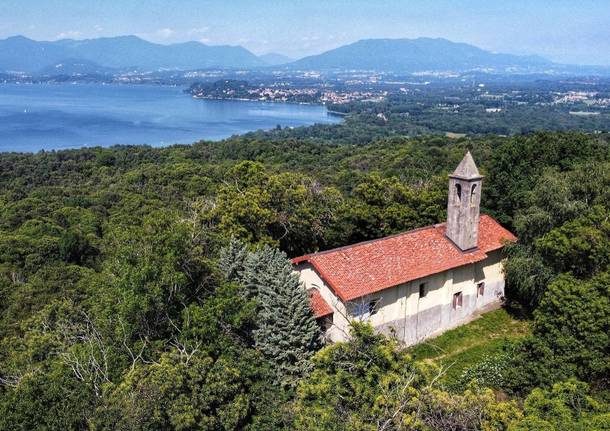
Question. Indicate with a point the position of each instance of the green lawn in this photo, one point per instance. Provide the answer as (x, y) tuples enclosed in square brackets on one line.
[(469, 344)]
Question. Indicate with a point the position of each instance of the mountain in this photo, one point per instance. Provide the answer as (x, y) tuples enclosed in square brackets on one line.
[(274, 59), (20, 54), (414, 55), (25, 55), (74, 66)]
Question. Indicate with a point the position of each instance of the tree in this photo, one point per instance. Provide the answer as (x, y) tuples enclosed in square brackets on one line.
[(232, 259), (570, 335), (190, 392), (358, 385), (286, 332), (370, 383), (470, 410), (566, 406)]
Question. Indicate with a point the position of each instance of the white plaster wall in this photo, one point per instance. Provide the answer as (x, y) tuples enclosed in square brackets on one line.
[(402, 313), (311, 279)]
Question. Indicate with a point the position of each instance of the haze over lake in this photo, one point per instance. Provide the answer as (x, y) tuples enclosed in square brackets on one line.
[(60, 116)]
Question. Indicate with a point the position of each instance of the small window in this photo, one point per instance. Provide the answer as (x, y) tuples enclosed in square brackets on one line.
[(373, 307), (457, 300), (473, 191), (480, 289), (366, 309), (422, 290), (458, 191)]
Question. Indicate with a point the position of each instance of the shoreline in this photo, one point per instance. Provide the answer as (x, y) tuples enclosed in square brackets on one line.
[(285, 102)]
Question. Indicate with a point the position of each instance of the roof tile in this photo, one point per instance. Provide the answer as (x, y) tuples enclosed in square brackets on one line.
[(319, 306), (364, 268)]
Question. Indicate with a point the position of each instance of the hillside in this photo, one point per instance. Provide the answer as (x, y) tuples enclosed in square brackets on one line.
[(414, 55), (275, 59), (25, 55), (126, 300)]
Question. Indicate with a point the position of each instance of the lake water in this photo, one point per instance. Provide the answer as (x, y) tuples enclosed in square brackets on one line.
[(59, 116)]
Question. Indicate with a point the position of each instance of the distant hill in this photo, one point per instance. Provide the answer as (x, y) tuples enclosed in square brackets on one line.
[(25, 55), (414, 55), (274, 59), (74, 66)]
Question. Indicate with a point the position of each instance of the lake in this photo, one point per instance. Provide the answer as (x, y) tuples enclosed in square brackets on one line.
[(60, 116)]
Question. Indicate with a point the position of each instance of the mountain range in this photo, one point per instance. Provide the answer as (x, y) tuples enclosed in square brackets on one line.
[(21, 54), (68, 56), (415, 55)]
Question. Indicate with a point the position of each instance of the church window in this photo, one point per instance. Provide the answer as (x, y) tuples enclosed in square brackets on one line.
[(458, 191), (473, 191), (422, 290), (480, 289), (457, 300), (373, 306), (364, 310)]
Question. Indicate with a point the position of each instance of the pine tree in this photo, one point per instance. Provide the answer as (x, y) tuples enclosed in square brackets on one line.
[(232, 259), (287, 332), (261, 268)]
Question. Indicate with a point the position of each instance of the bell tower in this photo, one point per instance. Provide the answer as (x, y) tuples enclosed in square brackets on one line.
[(463, 204)]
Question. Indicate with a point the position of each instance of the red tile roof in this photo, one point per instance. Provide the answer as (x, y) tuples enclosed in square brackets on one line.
[(361, 269), (319, 306)]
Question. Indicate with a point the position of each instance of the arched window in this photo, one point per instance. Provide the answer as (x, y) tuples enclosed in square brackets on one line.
[(472, 193), (458, 192)]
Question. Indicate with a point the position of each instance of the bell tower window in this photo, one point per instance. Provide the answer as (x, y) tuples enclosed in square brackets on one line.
[(458, 192), (473, 191)]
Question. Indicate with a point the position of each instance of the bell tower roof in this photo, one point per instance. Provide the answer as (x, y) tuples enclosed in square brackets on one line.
[(467, 169)]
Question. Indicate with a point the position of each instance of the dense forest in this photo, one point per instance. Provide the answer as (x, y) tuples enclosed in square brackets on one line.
[(149, 289)]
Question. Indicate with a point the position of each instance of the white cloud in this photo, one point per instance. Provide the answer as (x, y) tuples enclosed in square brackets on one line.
[(98, 27), (165, 33), (199, 30), (205, 40), (70, 34)]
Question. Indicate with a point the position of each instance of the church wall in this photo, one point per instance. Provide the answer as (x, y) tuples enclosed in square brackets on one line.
[(340, 327), (399, 310)]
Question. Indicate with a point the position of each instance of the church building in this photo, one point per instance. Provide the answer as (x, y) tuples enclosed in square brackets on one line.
[(415, 284)]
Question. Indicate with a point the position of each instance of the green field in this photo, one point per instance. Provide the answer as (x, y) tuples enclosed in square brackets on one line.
[(463, 347)]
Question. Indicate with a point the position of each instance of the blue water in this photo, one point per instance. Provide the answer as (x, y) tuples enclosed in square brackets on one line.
[(59, 116)]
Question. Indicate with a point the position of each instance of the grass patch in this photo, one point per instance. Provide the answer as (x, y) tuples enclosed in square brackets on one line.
[(469, 344)]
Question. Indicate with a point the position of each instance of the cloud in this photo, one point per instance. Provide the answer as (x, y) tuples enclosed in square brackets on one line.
[(165, 33), (98, 27), (205, 40), (199, 30), (69, 34)]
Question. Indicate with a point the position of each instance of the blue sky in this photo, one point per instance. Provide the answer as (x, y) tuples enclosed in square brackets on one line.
[(576, 31)]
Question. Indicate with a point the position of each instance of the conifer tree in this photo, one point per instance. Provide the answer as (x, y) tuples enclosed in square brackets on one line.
[(287, 332), (232, 259), (261, 268)]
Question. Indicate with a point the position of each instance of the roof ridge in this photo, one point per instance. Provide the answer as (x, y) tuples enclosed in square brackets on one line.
[(389, 264), (369, 241)]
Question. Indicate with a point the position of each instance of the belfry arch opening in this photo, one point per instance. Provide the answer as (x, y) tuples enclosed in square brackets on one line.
[(458, 192)]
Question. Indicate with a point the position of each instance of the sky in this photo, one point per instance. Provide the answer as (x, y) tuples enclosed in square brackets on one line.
[(565, 31)]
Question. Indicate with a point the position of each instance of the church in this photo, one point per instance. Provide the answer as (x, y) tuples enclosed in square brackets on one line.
[(416, 284)]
